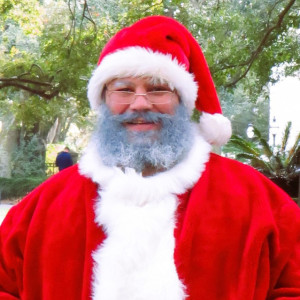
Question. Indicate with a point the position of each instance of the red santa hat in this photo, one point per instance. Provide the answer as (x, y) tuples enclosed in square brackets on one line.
[(162, 48)]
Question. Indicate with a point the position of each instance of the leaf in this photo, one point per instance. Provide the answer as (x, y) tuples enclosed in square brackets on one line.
[(280, 164), (243, 145), (285, 137), (263, 142)]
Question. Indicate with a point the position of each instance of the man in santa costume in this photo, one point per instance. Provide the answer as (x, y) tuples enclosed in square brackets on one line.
[(149, 213)]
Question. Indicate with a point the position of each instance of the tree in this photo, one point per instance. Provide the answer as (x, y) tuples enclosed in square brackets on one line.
[(269, 28)]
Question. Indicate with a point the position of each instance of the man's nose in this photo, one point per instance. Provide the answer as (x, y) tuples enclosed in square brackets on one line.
[(141, 103)]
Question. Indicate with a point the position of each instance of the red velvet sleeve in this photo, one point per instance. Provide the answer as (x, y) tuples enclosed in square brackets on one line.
[(11, 255), (13, 234), (286, 284), (30, 237)]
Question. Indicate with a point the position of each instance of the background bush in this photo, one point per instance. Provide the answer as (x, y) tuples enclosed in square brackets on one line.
[(28, 170), (28, 159), (17, 187)]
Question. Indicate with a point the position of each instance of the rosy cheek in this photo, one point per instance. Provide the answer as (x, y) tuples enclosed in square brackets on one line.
[(167, 108), (117, 108)]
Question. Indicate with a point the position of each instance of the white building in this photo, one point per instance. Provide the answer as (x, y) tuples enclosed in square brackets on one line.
[(284, 107)]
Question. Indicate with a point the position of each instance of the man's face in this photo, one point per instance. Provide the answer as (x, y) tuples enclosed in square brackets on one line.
[(128, 95), (137, 133)]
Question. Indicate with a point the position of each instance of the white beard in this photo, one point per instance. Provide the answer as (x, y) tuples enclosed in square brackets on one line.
[(161, 149)]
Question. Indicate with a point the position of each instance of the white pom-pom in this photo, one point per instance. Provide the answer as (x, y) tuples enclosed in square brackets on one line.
[(215, 128)]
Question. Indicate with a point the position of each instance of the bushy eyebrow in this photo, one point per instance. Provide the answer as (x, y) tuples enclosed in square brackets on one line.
[(120, 82)]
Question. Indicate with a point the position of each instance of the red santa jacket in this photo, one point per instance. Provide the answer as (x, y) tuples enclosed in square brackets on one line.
[(237, 236)]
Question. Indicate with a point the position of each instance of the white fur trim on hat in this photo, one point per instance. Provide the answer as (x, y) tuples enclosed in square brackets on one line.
[(139, 61), (215, 128)]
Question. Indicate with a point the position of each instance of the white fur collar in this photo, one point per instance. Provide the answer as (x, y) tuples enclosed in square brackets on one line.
[(176, 180), (136, 262)]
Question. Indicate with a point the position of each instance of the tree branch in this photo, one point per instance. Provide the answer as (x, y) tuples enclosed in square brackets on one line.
[(72, 28), (261, 45), (44, 88), (85, 16), (270, 11), (44, 94), (18, 79)]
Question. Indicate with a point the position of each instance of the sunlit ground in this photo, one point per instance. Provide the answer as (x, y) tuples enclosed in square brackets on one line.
[(4, 208)]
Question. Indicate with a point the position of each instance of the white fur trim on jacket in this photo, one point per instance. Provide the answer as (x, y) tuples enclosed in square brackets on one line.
[(139, 61), (136, 262)]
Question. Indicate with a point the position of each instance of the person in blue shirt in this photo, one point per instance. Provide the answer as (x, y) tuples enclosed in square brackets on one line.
[(64, 159)]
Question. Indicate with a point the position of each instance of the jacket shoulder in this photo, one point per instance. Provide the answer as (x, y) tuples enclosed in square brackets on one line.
[(242, 182), (231, 169), (65, 187)]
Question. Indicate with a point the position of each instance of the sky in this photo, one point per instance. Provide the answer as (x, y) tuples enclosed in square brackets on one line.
[(285, 106)]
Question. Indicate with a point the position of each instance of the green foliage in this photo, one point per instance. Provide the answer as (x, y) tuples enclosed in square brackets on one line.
[(18, 186), (229, 46), (274, 162), (28, 159), (242, 42), (26, 13), (196, 116)]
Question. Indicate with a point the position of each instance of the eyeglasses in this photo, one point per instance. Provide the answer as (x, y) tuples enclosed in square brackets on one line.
[(127, 97)]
